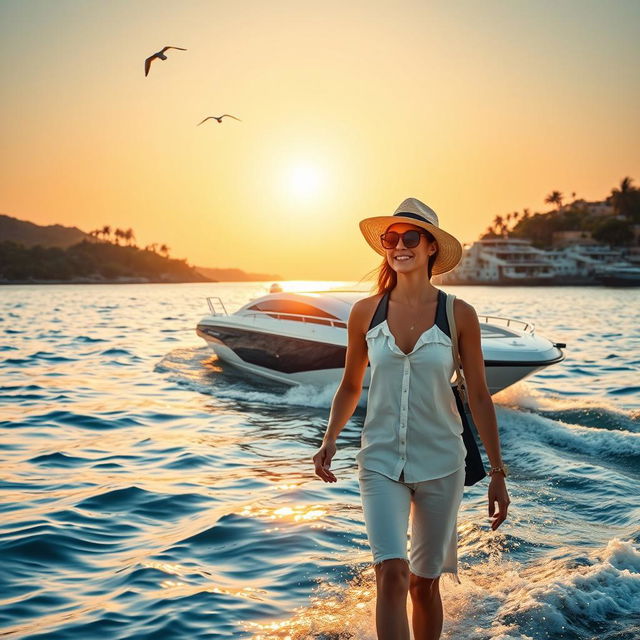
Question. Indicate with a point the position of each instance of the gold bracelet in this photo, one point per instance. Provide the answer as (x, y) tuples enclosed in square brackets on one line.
[(504, 469)]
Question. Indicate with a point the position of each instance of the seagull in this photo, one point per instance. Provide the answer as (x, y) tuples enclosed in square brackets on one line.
[(219, 118), (157, 55)]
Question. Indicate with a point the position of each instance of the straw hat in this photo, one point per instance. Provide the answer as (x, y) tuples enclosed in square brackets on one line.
[(415, 212)]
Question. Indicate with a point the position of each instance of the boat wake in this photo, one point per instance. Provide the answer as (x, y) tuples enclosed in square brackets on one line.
[(199, 370), (558, 597)]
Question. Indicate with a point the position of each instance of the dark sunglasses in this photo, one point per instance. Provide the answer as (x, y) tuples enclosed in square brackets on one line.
[(410, 238)]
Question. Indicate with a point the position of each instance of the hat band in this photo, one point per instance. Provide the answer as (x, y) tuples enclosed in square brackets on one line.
[(415, 216)]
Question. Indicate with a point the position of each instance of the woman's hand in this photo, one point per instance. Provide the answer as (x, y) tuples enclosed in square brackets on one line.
[(498, 493), (322, 461)]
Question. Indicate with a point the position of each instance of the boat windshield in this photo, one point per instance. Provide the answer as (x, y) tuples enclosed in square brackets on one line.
[(295, 310)]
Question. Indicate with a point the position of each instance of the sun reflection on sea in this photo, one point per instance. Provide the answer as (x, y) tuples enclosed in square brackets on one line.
[(348, 607), (294, 513)]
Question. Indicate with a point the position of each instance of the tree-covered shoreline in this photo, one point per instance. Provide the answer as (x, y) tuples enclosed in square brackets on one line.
[(616, 230), (93, 262)]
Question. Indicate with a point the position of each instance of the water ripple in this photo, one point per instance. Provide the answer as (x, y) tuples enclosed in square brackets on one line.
[(150, 491)]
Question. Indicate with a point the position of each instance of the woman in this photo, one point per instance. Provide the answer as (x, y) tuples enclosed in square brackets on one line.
[(412, 458)]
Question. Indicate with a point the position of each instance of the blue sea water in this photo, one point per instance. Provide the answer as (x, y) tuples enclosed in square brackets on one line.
[(147, 491)]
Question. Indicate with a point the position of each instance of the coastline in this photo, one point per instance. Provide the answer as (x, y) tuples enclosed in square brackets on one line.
[(447, 284), (123, 280), (553, 283)]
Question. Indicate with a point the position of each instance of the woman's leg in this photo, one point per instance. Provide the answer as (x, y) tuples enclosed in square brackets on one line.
[(386, 505), (428, 614), (392, 586), (433, 549)]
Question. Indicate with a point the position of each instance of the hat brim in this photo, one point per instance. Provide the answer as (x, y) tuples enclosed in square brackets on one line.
[(449, 247)]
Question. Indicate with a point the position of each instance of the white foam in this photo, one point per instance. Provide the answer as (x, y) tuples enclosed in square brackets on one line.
[(552, 597), (523, 395), (520, 429), (302, 395), (497, 599), (186, 366)]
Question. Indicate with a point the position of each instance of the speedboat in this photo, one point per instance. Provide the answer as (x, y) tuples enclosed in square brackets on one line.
[(301, 339)]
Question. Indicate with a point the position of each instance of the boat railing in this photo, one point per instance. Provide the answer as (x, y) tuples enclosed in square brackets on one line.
[(212, 301), (212, 305), (298, 317), (528, 327)]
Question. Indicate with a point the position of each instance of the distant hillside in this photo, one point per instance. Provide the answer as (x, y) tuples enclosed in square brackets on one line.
[(91, 262), (30, 234), (235, 275), (31, 252)]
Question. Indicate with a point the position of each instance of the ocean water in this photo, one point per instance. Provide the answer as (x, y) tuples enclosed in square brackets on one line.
[(147, 491)]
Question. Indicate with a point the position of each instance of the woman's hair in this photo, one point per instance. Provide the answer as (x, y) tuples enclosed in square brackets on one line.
[(386, 277)]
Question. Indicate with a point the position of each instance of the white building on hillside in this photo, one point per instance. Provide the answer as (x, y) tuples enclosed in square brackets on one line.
[(500, 261), (597, 208), (506, 261)]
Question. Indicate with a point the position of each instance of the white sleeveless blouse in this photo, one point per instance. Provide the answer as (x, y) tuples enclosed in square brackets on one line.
[(412, 422)]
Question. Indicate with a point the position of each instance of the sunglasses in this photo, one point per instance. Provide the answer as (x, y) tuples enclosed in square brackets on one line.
[(410, 238)]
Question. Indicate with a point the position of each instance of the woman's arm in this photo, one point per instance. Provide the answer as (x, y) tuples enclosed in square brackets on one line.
[(480, 403), (348, 393), (346, 397)]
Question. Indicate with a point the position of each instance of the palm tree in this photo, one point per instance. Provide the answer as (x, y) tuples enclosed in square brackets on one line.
[(625, 184), (500, 225), (129, 236), (555, 197), (118, 233), (621, 198), (506, 226), (489, 232), (164, 250), (106, 232)]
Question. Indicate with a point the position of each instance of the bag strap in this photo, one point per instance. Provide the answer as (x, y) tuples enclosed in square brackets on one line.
[(380, 314), (459, 381)]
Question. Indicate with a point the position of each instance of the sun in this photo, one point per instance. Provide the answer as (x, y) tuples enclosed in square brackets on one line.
[(304, 181)]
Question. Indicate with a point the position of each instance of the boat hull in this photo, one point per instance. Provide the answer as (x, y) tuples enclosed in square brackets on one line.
[(296, 360)]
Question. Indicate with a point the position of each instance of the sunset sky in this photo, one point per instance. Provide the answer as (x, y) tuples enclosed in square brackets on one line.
[(476, 108)]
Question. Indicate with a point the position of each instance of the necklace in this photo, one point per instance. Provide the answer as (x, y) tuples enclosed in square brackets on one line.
[(413, 325)]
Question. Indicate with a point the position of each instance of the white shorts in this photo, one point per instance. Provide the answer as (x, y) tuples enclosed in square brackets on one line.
[(433, 505)]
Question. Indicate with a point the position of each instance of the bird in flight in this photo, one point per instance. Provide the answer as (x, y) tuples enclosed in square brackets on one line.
[(219, 118), (157, 55)]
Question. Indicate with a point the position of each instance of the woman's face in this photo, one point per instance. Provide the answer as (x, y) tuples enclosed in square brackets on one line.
[(417, 257)]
